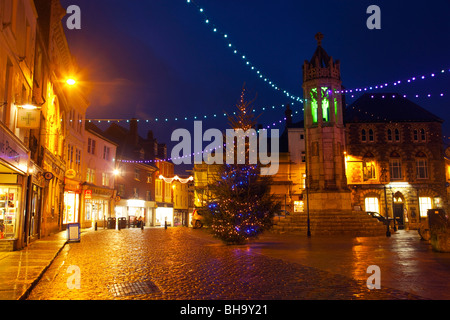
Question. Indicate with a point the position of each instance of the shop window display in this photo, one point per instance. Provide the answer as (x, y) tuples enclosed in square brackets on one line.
[(9, 203)]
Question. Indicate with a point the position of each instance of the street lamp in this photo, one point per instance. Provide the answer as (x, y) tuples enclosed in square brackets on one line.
[(388, 232), (71, 82)]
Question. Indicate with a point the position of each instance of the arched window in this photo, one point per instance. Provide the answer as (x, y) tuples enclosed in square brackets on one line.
[(416, 135), (363, 135), (397, 135), (423, 136), (421, 166), (389, 135), (371, 137)]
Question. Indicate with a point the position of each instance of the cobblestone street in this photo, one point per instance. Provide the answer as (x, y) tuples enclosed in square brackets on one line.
[(187, 264)]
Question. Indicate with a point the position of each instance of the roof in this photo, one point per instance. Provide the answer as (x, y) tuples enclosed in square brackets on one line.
[(387, 107), (320, 58)]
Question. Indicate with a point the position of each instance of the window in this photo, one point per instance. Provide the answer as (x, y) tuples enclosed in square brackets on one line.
[(371, 204), (168, 193), (302, 137), (105, 179), (395, 166), (416, 135), (149, 178), (148, 196), (121, 190), (369, 170), (421, 166), (106, 151), (78, 158), (424, 204), (363, 135), (423, 137), (158, 188), (91, 146), (397, 135), (371, 138), (389, 134), (136, 192), (137, 174), (90, 175)]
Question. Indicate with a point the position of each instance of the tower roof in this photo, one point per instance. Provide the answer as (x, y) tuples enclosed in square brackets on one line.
[(321, 64), (320, 58)]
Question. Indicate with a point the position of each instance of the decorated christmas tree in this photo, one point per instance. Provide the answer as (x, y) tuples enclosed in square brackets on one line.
[(241, 206)]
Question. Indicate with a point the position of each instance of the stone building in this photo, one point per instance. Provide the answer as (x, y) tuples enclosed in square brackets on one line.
[(394, 158)]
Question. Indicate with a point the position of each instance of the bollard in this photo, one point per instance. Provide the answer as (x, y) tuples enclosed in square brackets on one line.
[(95, 225), (165, 224)]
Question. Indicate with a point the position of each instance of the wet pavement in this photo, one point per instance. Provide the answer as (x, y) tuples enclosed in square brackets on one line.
[(20, 270), (187, 264)]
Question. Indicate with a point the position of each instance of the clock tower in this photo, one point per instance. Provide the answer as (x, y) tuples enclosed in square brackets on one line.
[(325, 132)]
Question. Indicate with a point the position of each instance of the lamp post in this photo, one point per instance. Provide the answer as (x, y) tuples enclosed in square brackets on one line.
[(388, 232)]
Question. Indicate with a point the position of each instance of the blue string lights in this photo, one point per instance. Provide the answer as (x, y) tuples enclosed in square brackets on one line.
[(259, 73)]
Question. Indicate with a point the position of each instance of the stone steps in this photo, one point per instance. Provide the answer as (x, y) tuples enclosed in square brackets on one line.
[(355, 223)]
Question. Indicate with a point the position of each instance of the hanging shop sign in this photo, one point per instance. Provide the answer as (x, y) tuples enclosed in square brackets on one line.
[(48, 176), (88, 194), (28, 119), (71, 173)]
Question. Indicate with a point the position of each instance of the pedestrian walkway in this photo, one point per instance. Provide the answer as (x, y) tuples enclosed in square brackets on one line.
[(20, 270)]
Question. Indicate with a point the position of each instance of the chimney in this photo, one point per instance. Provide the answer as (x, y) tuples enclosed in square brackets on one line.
[(288, 114), (134, 136)]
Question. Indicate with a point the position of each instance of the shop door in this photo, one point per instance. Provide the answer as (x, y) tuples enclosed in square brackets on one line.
[(398, 214), (35, 213)]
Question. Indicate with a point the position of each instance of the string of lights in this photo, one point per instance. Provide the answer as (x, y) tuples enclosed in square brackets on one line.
[(410, 80), (191, 118), (206, 151), (267, 80), (244, 58), (426, 95), (176, 178)]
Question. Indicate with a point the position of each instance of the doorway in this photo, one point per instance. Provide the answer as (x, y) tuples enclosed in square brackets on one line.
[(398, 215)]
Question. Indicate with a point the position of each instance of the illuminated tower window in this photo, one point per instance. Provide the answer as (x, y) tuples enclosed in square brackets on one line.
[(325, 104), (314, 105)]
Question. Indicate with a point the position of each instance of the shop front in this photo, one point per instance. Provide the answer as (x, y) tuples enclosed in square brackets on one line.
[(134, 210), (14, 159), (97, 206), (72, 192), (164, 215)]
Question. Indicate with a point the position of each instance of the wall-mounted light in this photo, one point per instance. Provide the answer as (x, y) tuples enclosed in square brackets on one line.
[(29, 107)]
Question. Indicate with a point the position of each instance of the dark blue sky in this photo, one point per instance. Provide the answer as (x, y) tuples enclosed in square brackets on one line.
[(158, 58)]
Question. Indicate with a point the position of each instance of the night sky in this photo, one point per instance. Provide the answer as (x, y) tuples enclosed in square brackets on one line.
[(160, 59)]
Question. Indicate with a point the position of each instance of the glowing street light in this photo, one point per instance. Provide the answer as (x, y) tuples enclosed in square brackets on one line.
[(71, 82)]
